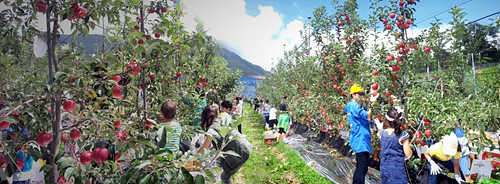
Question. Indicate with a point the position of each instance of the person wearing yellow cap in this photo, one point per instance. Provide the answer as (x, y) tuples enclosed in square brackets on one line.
[(442, 153), (360, 138)]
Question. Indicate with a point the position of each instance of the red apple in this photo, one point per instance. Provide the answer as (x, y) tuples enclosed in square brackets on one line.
[(340, 23), (86, 157), (69, 105), (328, 120), (339, 66), (163, 9), (389, 57), (342, 73), (100, 154), (43, 139), (379, 116), (152, 77), (375, 86), (388, 27), (428, 132), (75, 134), (407, 49), (418, 134), (151, 10), (165, 80), (64, 137), (387, 94), (80, 12), (375, 94), (116, 78), (117, 92), (4, 125), (392, 15), (117, 124), (385, 21), (137, 27), (148, 37), (375, 73), (140, 41), (400, 19), (401, 3), (41, 6), (427, 49), (157, 35), (412, 2), (20, 164)]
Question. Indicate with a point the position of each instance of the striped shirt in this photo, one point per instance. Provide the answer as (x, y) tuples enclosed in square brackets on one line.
[(173, 135)]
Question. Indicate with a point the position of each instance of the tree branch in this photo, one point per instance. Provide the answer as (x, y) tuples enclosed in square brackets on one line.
[(25, 103), (78, 124)]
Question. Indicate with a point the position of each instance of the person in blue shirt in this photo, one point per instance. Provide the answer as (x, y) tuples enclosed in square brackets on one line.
[(360, 138)]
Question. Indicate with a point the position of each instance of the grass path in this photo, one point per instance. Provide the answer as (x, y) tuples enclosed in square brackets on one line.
[(272, 164)]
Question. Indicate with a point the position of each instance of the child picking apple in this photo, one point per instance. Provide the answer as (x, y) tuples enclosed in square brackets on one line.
[(442, 153), (395, 147)]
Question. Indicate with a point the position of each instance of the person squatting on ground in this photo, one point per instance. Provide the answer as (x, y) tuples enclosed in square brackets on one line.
[(283, 122), (395, 147), (230, 164), (360, 138), (442, 153)]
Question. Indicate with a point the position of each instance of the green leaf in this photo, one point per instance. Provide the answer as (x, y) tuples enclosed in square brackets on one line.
[(60, 75), (231, 152), (10, 120), (144, 179), (143, 164), (68, 173), (163, 139), (239, 121), (199, 179)]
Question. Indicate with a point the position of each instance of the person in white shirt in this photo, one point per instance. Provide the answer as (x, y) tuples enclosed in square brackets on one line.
[(226, 119), (272, 118)]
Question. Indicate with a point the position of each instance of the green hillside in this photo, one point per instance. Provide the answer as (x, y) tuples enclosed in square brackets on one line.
[(235, 61), (92, 44)]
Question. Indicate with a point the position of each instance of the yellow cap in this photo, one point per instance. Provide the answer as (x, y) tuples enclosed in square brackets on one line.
[(356, 88)]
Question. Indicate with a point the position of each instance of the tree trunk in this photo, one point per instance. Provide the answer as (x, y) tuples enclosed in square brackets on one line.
[(56, 141)]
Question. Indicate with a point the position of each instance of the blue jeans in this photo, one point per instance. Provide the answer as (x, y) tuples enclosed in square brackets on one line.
[(361, 168), (464, 165), (443, 164)]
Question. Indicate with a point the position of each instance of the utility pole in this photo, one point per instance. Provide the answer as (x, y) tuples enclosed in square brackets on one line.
[(309, 37), (474, 72)]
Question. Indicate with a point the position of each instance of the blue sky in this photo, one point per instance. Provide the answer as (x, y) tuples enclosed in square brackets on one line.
[(292, 10)]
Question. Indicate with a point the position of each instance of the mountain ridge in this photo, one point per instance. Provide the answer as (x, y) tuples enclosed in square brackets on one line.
[(91, 44)]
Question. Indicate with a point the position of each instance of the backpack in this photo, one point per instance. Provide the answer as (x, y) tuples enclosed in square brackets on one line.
[(241, 146)]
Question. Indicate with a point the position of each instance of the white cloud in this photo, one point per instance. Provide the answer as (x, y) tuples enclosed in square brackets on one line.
[(257, 39)]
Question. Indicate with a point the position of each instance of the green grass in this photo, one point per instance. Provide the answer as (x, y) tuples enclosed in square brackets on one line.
[(276, 163)]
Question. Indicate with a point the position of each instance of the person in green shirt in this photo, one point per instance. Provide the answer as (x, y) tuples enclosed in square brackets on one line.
[(174, 130), (283, 122)]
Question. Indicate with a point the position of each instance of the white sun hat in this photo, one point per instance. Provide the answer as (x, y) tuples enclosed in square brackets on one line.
[(450, 144)]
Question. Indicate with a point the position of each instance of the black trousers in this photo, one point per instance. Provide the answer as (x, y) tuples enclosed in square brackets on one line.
[(361, 168)]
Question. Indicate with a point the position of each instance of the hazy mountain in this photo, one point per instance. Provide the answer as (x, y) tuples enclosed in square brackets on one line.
[(92, 44)]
